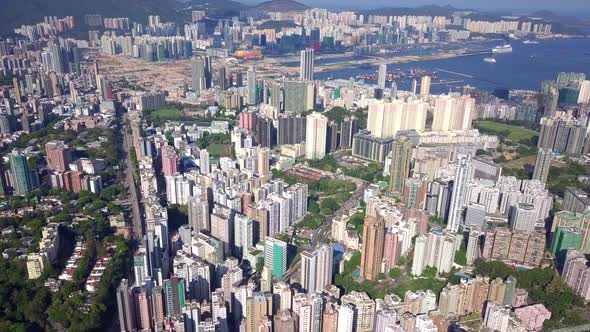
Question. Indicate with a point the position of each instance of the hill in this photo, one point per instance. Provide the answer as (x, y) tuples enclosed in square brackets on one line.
[(14, 13), (432, 10), (17, 12), (214, 8), (281, 5)]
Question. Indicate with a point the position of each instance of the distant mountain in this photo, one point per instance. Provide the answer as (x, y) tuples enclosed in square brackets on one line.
[(281, 5), (432, 10), (14, 13), (213, 7)]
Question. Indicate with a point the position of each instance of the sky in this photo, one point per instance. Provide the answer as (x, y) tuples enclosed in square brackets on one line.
[(562, 6)]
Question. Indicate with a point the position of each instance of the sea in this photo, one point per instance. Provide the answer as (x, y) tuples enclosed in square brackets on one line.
[(524, 68)]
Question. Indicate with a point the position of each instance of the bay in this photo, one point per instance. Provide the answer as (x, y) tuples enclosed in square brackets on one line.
[(524, 68)]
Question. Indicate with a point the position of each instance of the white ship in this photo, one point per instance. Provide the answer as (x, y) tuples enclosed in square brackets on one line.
[(490, 60), (530, 42), (502, 49)]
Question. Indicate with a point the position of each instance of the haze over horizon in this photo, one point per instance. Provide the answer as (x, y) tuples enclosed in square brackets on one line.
[(572, 7)]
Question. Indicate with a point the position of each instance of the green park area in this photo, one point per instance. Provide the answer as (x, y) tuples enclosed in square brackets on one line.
[(372, 172), (325, 197), (159, 117), (504, 131), (219, 150)]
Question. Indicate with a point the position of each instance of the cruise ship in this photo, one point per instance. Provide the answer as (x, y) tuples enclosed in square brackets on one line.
[(502, 49)]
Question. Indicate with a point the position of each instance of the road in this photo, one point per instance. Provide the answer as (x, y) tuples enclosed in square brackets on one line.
[(130, 183), (322, 234)]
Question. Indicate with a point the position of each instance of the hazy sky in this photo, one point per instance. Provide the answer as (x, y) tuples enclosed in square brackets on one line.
[(567, 6)]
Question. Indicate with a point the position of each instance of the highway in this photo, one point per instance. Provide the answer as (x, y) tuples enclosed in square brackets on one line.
[(130, 183)]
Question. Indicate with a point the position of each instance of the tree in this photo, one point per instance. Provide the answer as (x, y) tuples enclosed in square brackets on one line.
[(461, 257), (395, 273), (429, 272), (330, 204)]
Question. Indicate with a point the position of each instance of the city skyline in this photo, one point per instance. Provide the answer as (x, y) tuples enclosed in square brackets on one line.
[(288, 169)]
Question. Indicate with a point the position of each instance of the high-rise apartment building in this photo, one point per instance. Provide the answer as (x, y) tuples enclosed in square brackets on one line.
[(125, 307), (169, 160), (523, 217), (459, 191), (22, 181), (316, 268), (58, 155), (315, 136), (258, 307), (275, 256), (382, 76), (425, 85), (452, 112), (584, 95), (386, 118), (348, 128), (372, 250), (543, 164), (401, 153), (251, 86), (291, 129), (199, 74), (306, 65)]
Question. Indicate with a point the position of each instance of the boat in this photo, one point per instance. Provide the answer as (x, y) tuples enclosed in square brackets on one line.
[(502, 49), (490, 60), (530, 42)]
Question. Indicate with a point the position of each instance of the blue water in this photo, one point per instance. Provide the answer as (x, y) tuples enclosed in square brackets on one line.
[(524, 68)]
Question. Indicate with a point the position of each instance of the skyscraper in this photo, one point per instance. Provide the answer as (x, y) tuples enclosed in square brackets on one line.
[(169, 160), (198, 214), (315, 136), (459, 190), (306, 65), (373, 241), (382, 76), (348, 128), (584, 96), (543, 164), (425, 85), (251, 86), (21, 176), (523, 217), (308, 270), (258, 307), (385, 118), (125, 307), (316, 268), (291, 129), (401, 153), (452, 112), (275, 256), (58, 155), (199, 74), (245, 234), (298, 96), (345, 318), (174, 291)]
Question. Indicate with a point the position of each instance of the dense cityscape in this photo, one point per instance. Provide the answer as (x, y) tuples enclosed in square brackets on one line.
[(285, 168)]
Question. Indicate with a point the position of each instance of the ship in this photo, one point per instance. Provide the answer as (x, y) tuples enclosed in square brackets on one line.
[(530, 42), (502, 49), (490, 60)]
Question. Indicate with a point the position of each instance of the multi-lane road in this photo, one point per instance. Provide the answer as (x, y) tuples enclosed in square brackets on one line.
[(125, 142)]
